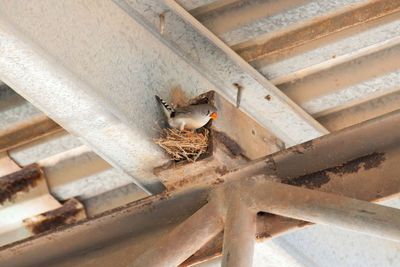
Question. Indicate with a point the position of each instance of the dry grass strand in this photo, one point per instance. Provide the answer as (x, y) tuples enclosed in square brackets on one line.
[(180, 146)]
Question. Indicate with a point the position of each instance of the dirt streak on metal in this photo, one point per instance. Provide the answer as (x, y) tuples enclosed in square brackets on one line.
[(233, 147), (19, 181), (319, 178), (55, 218)]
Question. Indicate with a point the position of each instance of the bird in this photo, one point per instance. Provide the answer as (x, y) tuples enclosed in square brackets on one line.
[(191, 117)]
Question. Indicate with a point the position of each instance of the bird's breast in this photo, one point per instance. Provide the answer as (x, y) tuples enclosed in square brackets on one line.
[(189, 123)]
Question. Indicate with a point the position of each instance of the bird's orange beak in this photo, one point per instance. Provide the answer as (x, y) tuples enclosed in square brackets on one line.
[(213, 116)]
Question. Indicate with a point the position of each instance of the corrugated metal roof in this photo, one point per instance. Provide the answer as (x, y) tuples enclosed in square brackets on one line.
[(336, 63)]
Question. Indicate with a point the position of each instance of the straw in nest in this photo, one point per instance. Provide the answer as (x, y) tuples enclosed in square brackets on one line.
[(181, 146)]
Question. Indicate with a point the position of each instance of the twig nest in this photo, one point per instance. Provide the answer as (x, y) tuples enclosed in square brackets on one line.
[(183, 145)]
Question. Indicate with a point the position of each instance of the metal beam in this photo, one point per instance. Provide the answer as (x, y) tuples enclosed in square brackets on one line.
[(26, 131), (356, 114), (232, 16), (23, 194), (368, 172), (71, 165), (120, 225), (253, 50), (35, 74), (185, 239), (384, 40), (321, 207), (289, 109), (239, 232)]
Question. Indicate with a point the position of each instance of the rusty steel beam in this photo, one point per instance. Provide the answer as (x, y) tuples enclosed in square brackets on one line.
[(320, 207), (26, 131), (121, 224), (19, 181), (184, 240), (266, 223), (239, 232), (368, 171), (256, 49), (23, 194), (71, 211)]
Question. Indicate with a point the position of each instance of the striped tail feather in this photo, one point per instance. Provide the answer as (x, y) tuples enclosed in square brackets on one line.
[(168, 110)]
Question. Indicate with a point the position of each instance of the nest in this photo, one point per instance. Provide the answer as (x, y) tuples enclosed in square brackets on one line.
[(180, 145)]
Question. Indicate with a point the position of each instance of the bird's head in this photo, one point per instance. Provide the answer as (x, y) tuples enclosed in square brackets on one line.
[(212, 112)]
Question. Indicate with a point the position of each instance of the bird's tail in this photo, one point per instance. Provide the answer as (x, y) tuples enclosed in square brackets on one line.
[(168, 110)]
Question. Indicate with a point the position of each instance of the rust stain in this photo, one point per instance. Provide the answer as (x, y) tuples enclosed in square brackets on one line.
[(238, 86), (233, 147), (165, 196), (369, 161), (307, 145), (268, 97), (55, 218), (263, 235), (162, 16), (297, 151), (222, 171), (318, 28), (205, 98), (218, 181), (265, 214), (271, 164), (319, 178), (20, 181), (374, 160), (312, 180), (171, 188), (178, 97), (185, 181), (302, 224)]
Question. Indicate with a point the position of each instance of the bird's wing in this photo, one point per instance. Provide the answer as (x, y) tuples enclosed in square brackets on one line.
[(184, 110)]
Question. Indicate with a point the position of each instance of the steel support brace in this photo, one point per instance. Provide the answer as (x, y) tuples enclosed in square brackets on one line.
[(319, 207), (247, 196), (368, 172), (239, 233), (184, 240)]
